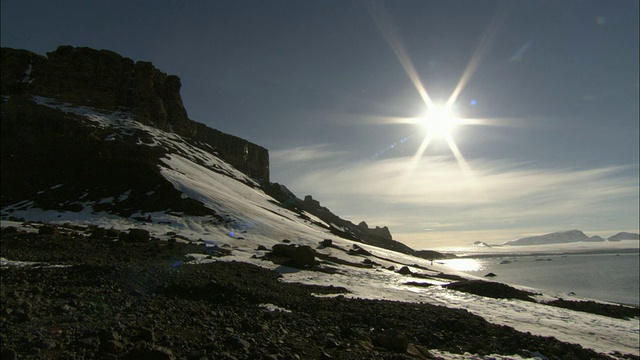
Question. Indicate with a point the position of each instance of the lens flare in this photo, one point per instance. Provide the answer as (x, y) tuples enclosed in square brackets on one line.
[(439, 120)]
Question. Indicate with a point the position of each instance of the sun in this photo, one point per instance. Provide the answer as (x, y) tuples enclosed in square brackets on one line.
[(440, 121)]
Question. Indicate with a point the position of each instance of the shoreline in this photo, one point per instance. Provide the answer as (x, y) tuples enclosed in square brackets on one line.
[(134, 298), (550, 253), (562, 274)]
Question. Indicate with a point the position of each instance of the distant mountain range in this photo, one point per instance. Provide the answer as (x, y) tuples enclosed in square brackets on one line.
[(562, 237), (624, 236)]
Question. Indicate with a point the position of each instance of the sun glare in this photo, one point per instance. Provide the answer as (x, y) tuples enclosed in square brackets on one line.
[(440, 121)]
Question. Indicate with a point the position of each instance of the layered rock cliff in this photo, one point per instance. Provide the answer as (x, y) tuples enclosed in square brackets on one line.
[(55, 157), (105, 80)]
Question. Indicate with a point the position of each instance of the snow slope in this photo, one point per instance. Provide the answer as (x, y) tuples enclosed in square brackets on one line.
[(253, 218)]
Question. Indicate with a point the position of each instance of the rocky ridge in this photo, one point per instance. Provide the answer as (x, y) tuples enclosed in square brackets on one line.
[(105, 80), (44, 147)]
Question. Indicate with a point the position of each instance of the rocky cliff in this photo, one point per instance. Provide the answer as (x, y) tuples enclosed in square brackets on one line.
[(54, 157), (378, 236), (105, 80)]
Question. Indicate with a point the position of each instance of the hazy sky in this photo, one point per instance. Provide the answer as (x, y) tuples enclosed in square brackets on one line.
[(552, 86)]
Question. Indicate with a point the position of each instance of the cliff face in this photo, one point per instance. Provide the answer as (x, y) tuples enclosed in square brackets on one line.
[(377, 236), (106, 80), (44, 146)]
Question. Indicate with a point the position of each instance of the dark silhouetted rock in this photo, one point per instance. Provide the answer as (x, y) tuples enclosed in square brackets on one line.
[(392, 340), (138, 235), (98, 233), (148, 352), (298, 256), (105, 80), (490, 289), (304, 256), (9, 354), (48, 230), (9, 230)]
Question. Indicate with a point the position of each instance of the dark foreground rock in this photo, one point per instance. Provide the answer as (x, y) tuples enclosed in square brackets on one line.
[(491, 289), (616, 311), (135, 300)]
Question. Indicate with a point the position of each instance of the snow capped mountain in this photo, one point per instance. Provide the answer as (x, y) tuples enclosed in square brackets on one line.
[(559, 237), (624, 236)]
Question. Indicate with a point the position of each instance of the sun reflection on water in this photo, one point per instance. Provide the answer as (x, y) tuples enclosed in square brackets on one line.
[(464, 264)]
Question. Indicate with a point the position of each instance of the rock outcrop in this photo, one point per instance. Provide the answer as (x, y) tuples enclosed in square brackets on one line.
[(378, 236), (105, 80), (43, 147)]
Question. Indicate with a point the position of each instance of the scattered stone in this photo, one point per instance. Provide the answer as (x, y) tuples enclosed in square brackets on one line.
[(138, 235), (392, 340), (405, 270), (235, 342), (326, 242), (148, 352), (131, 301), (98, 233), (48, 230), (9, 354), (490, 275), (111, 233), (9, 230)]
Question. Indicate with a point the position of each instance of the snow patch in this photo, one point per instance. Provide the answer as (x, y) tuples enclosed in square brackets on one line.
[(273, 308)]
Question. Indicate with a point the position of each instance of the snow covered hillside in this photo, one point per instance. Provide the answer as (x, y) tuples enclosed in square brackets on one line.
[(235, 213)]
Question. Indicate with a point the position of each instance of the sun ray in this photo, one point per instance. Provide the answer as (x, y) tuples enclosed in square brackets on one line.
[(386, 27), (466, 170), (485, 44), (413, 164), (439, 120)]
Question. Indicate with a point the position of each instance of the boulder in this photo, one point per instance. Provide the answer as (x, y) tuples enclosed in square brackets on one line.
[(282, 250), (98, 233), (48, 230), (392, 340), (304, 256), (151, 353), (300, 256), (9, 230), (138, 235)]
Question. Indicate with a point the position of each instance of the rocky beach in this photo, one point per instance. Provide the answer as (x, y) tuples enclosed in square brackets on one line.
[(87, 294)]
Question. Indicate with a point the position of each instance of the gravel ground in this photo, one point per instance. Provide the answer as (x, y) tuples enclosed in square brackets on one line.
[(139, 300)]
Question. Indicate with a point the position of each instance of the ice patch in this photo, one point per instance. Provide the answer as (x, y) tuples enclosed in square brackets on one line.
[(4, 263), (272, 308)]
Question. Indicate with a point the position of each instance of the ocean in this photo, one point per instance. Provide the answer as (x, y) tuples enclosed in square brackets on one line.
[(610, 277)]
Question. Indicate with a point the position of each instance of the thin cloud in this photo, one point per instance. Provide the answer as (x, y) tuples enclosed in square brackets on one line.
[(439, 195), (304, 154)]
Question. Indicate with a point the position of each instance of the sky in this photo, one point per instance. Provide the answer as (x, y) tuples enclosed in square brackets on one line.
[(543, 94)]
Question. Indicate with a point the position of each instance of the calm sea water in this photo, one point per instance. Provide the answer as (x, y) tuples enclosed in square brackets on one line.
[(608, 277)]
